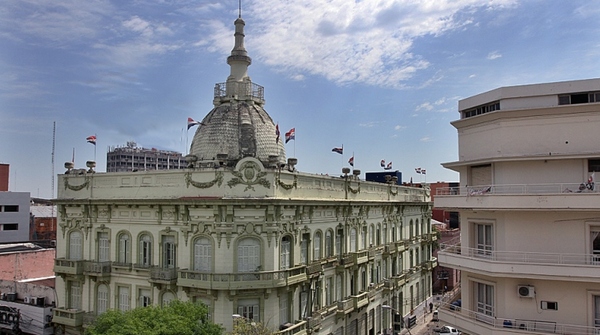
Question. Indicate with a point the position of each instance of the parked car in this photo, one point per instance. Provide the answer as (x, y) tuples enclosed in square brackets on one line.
[(447, 330)]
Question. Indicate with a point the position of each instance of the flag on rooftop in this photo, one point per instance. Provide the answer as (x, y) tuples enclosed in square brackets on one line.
[(277, 133), (290, 135), (339, 150), (351, 161), (383, 163), (389, 166), (91, 139), (192, 122), (418, 170), (423, 171)]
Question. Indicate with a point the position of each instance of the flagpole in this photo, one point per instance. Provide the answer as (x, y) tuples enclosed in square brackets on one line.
[(294, 142), (95, 145)]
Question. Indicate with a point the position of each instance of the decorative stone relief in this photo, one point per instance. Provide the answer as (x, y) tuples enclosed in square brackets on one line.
[(249, 173), (288, 186), (85, 185), (217, 181)]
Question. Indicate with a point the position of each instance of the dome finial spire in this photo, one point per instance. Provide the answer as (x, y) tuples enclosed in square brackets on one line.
[(239, 59), (240, 9)]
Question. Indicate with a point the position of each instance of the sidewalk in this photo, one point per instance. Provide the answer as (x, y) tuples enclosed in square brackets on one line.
[(424, 324)]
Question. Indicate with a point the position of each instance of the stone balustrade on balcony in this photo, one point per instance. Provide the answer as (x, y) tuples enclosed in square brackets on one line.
[(68, 266), (242, 280)]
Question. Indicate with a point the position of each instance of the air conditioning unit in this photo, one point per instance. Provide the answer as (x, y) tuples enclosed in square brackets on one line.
[(526, 291), (27, 300), (33, 300), (2, 296)]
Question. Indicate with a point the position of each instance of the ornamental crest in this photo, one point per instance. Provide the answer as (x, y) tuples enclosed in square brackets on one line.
[(249, 173)]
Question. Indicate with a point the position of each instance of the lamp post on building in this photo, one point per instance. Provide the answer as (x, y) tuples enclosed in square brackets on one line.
[(397, 323)]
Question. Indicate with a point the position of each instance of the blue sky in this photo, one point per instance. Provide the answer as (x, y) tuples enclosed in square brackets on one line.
[(380, 77)]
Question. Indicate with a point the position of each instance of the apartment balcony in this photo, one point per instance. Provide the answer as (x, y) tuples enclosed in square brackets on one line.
[(473, 322), (347, 260), (389, 285), (242, 280), (314, 322), (401, 246), (68, 266), (67, 316), (314, 269), (97, 269), (121, 266), (299, 328), (360, 257), (429, 265), (345, 307), (565, 196), (401, 278), (518, 264), (163, 275), (360, 300)]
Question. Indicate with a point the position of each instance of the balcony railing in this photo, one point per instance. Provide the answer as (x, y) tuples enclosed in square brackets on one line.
[(297, 329), (522, 257), (314, 268), (163, 275), (67, 316), (345, 306), (68, 266), (99, 269), (225, 281), (575, 188), (347, 260), (360, 257), (360, 300), (464, 317), (243, 91)]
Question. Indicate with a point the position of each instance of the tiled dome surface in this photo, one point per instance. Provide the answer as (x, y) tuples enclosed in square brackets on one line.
[(244, 130)]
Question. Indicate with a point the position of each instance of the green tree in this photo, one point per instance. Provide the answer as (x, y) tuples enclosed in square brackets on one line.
[(178, 318), (243, 326)]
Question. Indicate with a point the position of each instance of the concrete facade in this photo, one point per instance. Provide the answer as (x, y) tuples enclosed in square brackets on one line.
[(14, 217), (529, 210)]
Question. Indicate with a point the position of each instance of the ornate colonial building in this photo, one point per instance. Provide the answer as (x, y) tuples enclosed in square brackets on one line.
[(241, 230)]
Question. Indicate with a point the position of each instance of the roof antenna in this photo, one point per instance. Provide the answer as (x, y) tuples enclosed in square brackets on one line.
[(240, 9)]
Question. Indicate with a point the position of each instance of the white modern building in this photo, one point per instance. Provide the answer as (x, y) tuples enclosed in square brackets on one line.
[(14, 217), (530, 216), (243, 231)]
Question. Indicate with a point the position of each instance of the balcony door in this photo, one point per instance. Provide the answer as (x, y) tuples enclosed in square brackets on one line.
[(484, 240)]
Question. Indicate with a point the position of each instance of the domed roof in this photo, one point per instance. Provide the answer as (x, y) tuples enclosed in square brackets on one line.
[(238, 130), (238, 126)]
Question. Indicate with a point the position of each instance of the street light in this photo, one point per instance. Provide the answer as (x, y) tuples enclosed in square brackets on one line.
[(397, 321)]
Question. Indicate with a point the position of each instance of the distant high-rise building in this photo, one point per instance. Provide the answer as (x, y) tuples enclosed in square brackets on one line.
[(133, 158)]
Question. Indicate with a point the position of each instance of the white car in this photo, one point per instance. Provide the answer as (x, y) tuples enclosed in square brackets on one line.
[(447, 330)]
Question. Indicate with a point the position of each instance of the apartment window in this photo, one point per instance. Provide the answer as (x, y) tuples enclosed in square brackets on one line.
[(75, 294), (339, 295), (169, 252), (329, 291), (145, 250), (202, 254), (283, 309), (597, 312), (593, 165), (304, 249), (249, 309), (303, 304), (338, 241), (484, 239), (11, 208), (485, 299), (102, 299), (317, 246), (385, 234), (378, 235), (328, 244), (481, 175), (9, 226), (285, 253), (75, 245), (353, 240), (124, 248), (364, 239), (124, 298), (145, 299), (248, 255), (371, 235), (103, 247)]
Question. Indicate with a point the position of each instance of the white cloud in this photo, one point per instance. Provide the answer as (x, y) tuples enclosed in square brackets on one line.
[(399, 127), (425, 139), (494, 55), (368, 41), (425, 106)]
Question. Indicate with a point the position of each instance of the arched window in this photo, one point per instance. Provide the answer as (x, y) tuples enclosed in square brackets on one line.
[(317, 246), (145, 250), (385, 233), (378, 235), (102, 299), (167, 297), (372, 235), (286, 254), (169, 252), (353, 240), (328, 244), (124, 248), (248, 258), (202, 254), (103, 247), (76, 245)]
